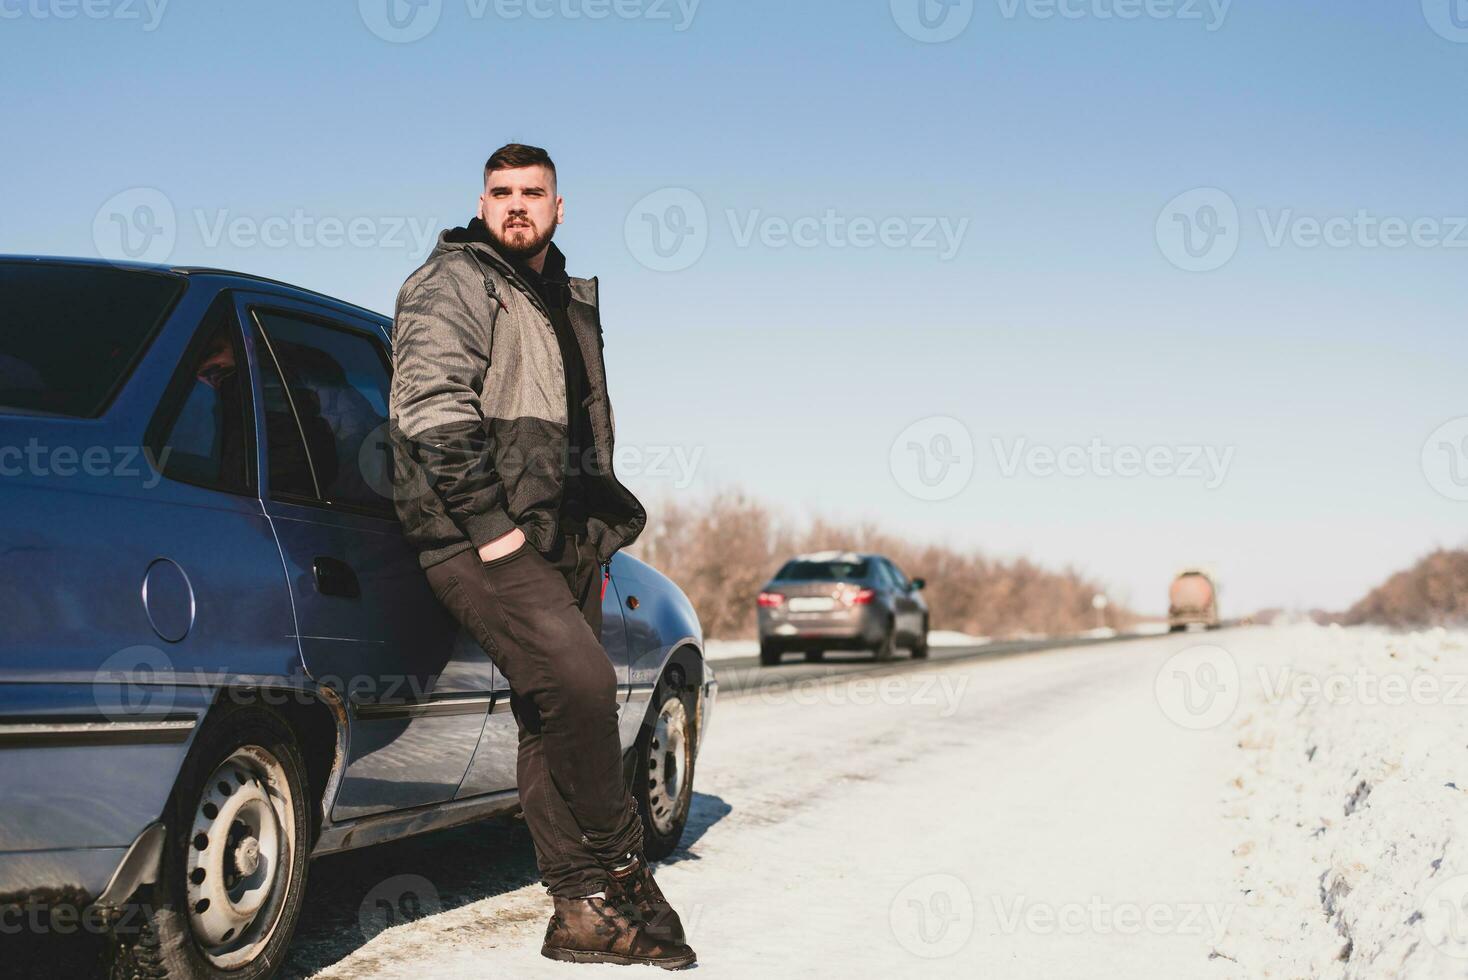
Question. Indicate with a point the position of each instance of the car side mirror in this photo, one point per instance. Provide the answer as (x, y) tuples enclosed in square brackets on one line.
[(919, 583)]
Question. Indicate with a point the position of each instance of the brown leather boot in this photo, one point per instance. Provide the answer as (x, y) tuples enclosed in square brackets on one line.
[(636, 895), (590, 930)]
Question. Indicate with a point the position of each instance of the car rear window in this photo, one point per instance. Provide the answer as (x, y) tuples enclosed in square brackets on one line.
[(822, 571), (72, 333)]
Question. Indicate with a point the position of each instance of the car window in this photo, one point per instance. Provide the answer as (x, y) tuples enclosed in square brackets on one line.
[(898, 579), (201, 436), (822, 571), (73, 332), (326, 401)]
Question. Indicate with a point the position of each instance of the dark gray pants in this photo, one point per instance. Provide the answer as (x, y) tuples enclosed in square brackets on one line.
[(539, 618)]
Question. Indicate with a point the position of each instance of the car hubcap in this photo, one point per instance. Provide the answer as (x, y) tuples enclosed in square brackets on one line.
[(667, 764), (240, 851)]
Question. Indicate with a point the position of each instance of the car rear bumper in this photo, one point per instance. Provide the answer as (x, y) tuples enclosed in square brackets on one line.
[(844, 629)]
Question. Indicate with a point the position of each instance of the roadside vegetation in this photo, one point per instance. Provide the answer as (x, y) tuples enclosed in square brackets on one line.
[(1433, 592), (721, 549)]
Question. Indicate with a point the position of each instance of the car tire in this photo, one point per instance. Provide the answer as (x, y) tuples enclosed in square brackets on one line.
[(663, 763), (920, 645), (769, 655), (888, 647), (242, 795), (814, 656)]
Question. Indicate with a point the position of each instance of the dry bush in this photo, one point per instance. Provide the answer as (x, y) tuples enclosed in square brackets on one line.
[(720, 550), (1434, 592)]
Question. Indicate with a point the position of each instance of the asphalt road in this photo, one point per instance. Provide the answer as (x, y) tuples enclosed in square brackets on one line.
[(739, 674), (345, 904)]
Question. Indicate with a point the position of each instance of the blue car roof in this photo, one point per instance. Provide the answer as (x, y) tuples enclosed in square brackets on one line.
[(191, 270)]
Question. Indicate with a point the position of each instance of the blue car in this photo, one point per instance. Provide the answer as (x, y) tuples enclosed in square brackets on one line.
[(218, 656)]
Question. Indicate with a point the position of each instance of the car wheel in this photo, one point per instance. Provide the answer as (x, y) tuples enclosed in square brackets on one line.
[(769, 655), (663, 777), (233, 872), (814, 656), (920, 645), (888, 646)]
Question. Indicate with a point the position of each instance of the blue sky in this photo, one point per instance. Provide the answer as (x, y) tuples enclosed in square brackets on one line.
[(1053, 317)]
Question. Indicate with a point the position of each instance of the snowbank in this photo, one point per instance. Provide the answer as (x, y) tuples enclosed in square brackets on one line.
[(1351, 803)]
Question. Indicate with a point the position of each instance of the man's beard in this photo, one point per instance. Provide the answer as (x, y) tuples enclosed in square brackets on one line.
[(522, 248)]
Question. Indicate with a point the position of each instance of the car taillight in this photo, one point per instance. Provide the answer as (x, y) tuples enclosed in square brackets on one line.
[(771, 600), (851, 595)]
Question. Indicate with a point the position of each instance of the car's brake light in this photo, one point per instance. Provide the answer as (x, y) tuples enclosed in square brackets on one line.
[(863, 597), (771, 600)]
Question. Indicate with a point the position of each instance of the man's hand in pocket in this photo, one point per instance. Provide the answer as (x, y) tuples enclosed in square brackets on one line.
[(502, 545)]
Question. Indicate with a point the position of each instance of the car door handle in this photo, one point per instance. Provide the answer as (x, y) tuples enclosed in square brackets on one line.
[(335, 577)]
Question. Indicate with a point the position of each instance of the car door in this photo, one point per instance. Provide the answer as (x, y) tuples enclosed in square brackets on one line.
[(908, 604), (367, 622), (493, 769)]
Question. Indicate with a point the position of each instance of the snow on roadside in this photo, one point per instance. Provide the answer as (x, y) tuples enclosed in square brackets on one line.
[(1351, 803)]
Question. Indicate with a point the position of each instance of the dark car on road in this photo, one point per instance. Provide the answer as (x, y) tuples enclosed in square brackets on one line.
[(220, 657), (841, 601)]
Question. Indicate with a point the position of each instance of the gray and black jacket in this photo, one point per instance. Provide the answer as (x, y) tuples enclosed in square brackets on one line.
[(478, 408)]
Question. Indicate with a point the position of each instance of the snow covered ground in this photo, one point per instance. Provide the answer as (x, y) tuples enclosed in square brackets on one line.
[(1351, 804), (1137, 809)]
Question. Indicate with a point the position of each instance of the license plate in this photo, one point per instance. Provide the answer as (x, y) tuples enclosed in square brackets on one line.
[(812, 604)]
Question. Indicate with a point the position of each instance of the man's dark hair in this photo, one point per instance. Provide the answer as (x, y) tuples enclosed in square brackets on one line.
[(512, 156)]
